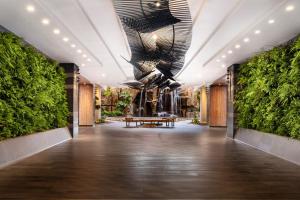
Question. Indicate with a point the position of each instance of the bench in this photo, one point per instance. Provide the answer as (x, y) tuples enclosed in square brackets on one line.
[(142, 121)]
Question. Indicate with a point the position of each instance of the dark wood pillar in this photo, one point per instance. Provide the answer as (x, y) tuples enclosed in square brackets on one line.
[(72, 73), (231, 115)]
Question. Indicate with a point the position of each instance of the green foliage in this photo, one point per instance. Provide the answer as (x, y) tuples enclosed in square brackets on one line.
[(124, 101), (108, 92), (121, 106), (195, 120), (101, 120), (268, 91), (32, 92)]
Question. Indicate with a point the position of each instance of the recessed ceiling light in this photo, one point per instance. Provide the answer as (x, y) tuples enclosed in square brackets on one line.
[(73, 45), (154, 37), (56, 31), (218, 60), (237, 46), (65, 39), (290, 8), (30, 8), (246, 40), (230, 52), (271, 21), (84, 55), (223, 65), (157, 4), (89, 60), (82, 64), (45, 21), (103, 75), (224, 56), (257, 32), (79, 51)]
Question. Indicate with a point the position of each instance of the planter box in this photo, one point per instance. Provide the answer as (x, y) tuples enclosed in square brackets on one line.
[(12, 150), (283, 147)]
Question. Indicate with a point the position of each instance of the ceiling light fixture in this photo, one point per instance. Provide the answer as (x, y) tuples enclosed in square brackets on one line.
[(30, 8), (218, 60), (224, 56), (73, 45), (65, 39), (271, 21), (246, 40), (79, 51), (157, 4), (237, 46), (82, 65), (103, 75), (230, 52), (290, 8), (84, 55), (56, 31), (257, 32), (223, 65), (45, 21), (89, 60)]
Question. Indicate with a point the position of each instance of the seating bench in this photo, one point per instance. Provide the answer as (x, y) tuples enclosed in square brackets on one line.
[(142, 120)]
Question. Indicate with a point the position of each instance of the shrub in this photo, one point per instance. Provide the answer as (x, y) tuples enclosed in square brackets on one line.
[(32, 91), (267, 97)]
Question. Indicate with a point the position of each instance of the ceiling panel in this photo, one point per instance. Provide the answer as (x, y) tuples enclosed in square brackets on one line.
[(218, 25)]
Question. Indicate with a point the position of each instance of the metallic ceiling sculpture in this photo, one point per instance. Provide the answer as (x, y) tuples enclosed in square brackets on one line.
[(159, 34)]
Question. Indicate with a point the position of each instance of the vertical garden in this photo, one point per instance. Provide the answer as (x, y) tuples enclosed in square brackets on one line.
[(268, 91), (32, 90)]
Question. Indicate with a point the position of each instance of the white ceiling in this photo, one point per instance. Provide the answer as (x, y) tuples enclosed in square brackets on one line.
[(93, 26)]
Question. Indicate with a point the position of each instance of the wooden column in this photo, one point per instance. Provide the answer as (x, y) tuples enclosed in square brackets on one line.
[(72, 72), (86, 105), (231, 80), (218, 105), (203, 105)]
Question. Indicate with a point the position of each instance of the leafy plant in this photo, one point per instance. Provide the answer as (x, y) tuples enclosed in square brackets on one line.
[(267, 97), (121, 106), (32, 90), (195, 120), (108, 92)]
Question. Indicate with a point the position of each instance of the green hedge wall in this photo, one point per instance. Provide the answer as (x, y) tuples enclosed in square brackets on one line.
[(32, 90), (268, 91)]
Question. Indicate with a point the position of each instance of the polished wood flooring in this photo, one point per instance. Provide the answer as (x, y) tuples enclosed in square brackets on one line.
[(186, 162)]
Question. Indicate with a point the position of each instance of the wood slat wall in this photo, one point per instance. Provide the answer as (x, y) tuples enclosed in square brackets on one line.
[(86, 105), (218, 105)]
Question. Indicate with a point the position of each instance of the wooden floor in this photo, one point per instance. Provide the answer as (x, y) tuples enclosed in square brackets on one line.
[(188, 161)]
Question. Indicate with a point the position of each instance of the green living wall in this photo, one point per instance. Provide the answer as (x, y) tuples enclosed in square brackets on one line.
[(32, 90), (268, 91)]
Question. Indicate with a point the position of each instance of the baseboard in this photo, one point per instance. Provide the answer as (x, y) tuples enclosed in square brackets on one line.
[(283, 147), (15, 149)]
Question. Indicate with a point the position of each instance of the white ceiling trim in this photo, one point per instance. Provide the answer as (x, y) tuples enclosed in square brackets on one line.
[(60, 21), (199, 12), (220, 25), (257, 21), (100, 36)]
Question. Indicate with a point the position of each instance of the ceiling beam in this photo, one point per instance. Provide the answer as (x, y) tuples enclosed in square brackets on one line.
[(214, 32), (60, 21), (100, 37), (257, 20)]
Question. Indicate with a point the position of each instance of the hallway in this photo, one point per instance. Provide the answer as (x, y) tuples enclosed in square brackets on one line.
[(188, 161)]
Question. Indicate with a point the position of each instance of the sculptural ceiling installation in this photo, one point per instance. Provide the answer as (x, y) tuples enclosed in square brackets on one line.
[(159, 34)]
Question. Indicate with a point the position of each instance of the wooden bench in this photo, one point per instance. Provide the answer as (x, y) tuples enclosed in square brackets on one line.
[(172, 120)]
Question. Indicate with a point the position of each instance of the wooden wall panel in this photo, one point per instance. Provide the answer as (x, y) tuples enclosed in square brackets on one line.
[(218, 106), (203, 105), (86, 105)]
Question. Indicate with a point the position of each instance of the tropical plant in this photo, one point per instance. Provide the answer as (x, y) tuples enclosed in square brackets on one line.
[(267, 97), (121, 106), (32, 90)]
